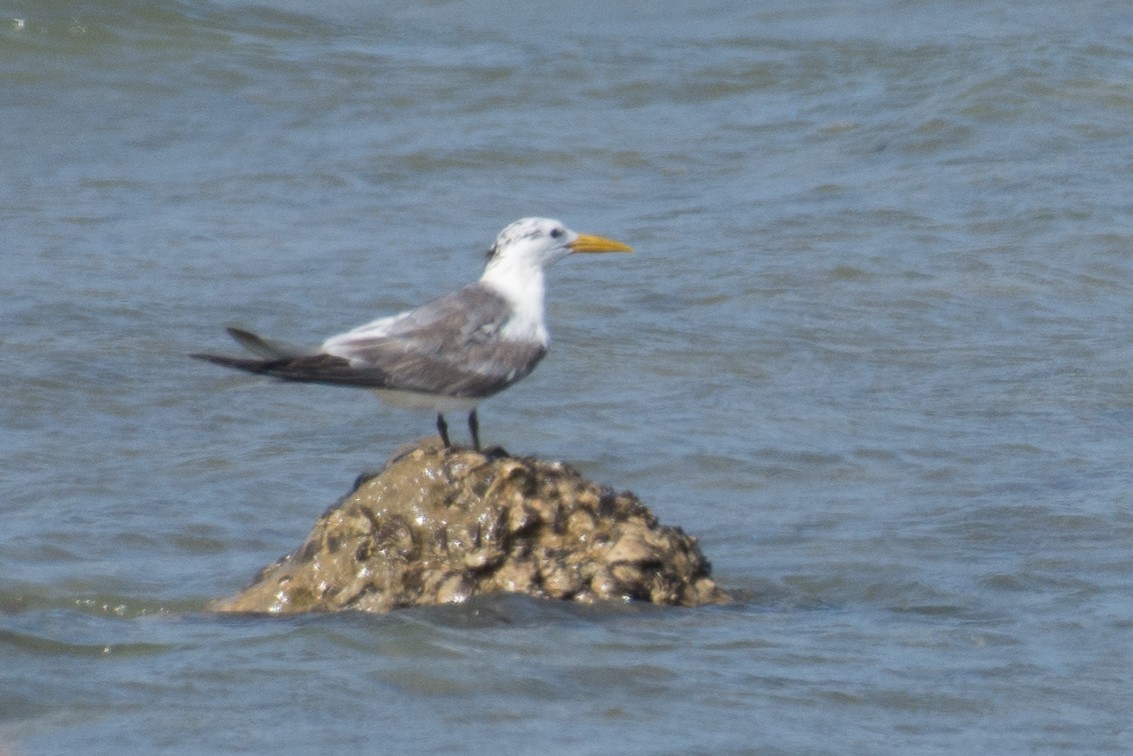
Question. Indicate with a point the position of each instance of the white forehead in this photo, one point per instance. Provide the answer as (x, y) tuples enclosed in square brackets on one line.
[(527, 228)]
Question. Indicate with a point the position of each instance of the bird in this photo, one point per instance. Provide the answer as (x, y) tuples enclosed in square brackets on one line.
[(451, 353)]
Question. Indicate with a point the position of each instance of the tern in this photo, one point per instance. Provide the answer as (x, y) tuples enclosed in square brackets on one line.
[(449, 354)]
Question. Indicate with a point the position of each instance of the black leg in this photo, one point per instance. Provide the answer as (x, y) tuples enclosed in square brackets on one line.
[(474, 426), (442, 428)]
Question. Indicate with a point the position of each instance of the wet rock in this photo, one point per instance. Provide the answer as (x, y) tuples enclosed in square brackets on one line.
[(442, 525)]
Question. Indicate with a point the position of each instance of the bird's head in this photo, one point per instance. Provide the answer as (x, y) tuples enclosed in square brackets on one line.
[(540, 242)]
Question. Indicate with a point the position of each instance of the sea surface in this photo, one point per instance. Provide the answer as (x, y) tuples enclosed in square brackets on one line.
[(874, 348)]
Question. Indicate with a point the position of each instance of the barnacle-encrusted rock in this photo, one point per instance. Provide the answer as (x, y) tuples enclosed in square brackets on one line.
[(442, 525)]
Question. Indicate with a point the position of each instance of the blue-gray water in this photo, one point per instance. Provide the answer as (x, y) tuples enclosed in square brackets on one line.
[(875, 349)]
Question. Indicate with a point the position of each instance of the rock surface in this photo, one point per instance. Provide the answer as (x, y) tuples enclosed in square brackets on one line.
[(442, 525)]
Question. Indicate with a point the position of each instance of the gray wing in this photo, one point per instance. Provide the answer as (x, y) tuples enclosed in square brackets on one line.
[(450, 347)]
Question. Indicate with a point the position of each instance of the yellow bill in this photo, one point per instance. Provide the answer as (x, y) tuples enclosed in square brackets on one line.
[(591, 243)]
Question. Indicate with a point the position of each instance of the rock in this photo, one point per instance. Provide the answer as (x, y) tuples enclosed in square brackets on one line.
[(442, 525)]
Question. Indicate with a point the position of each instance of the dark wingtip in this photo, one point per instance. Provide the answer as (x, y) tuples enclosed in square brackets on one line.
[(239, 363), (258, 345), (217, 359)]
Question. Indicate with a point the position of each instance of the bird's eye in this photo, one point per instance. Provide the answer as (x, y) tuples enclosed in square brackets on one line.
[(556, 233)]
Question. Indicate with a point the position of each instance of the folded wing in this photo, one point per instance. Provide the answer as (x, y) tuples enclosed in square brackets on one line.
[(449, 347)]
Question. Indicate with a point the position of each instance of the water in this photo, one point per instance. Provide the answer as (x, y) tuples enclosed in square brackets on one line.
[(874, 349)]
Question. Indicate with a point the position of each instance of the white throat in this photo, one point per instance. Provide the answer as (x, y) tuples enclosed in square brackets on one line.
[(520, 282)]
